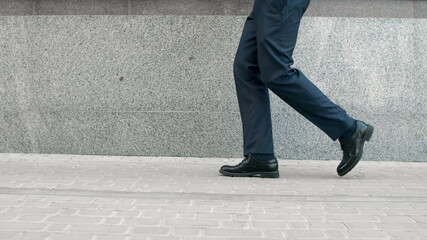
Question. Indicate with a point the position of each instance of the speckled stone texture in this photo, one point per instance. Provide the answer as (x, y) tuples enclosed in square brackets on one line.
[(325, 8), (163, 85)]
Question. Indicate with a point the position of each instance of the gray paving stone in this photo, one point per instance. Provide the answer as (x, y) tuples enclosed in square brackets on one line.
[(73, 236), (301, 234), (186, 232), (93, 228), (22, 226), (342, 211), (151, 231), (8, 234), (33, 235)]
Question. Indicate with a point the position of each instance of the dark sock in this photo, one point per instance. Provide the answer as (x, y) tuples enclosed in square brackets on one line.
[(264, 157), (350, 131)]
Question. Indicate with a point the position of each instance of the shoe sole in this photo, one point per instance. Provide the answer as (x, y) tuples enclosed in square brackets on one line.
[(252, 174), (366, 137)]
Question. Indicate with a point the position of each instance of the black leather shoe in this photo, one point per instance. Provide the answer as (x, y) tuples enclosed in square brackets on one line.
[(353, 147), (251, 167)]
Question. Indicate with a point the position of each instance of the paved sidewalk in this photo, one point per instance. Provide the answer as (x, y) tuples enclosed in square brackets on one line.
[(108, 197)]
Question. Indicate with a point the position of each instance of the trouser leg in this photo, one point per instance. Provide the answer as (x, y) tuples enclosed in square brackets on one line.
[(277, 24), (252, 94)]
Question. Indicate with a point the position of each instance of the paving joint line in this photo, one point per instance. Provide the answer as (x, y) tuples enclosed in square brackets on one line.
[(206, 196)]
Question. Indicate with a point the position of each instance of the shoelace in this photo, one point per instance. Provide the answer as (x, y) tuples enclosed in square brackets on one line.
[(346, 146)]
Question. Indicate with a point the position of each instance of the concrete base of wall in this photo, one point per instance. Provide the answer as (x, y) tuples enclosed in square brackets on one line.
[(163, 85)]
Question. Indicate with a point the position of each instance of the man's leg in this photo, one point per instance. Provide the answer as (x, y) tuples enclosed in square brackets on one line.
[(252, 95), (277, 29), (254, 104)]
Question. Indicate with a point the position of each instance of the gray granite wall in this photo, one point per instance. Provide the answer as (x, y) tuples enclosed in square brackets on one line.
[(162, 85), (325, 8)]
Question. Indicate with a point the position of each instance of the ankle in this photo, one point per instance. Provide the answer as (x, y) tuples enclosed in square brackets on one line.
[(350, 132), (263, 157)]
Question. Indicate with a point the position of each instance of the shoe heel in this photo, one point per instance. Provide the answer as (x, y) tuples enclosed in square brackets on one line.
[(270, 174), (369, 133)]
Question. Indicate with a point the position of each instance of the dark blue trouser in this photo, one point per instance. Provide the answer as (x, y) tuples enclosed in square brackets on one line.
[(263, 61)]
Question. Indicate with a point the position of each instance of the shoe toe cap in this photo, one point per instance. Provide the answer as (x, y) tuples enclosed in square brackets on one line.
[(225, 168)]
